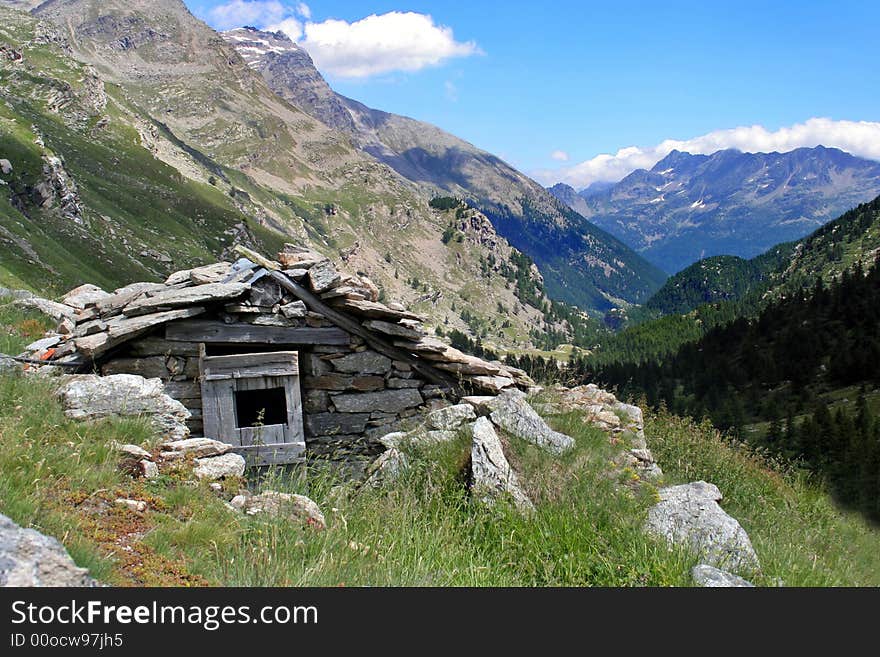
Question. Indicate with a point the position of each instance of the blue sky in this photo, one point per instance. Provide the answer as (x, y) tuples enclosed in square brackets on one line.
[(528, 80)]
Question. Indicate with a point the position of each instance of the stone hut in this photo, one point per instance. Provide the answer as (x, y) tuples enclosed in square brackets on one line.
[(280, 359)]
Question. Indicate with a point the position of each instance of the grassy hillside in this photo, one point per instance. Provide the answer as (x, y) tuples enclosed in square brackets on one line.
[(421, 530)]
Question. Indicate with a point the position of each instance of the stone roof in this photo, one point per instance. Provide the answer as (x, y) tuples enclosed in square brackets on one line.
[(299, 285)]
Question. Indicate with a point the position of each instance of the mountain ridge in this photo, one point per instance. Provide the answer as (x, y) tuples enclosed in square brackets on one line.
[(688, 207), (584, 265)]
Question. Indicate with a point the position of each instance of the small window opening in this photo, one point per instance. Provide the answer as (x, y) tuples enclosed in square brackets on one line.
[(256, 408)]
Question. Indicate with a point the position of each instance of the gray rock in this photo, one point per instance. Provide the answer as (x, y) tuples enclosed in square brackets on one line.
[(270, 503), (44, 343), (323, 276), (84, 295), (29, 558), (5, 167), (492, 478), (364, 362), (295, 310), (8, 365), (196, 447), (388, 401), (393, 440), (689, 516), (133, 450), (50, 308), (149, 470), (711, 577), (451, 417), (220, 467), (511, 413), (386, 468), (91, 397)]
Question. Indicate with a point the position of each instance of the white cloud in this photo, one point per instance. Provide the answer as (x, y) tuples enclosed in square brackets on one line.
[(377, 44), (292, 27), (861, 138), (560, 156), (237, 13)]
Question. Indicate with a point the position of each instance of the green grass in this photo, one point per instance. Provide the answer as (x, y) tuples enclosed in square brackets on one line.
[(798, 533), (422, 530), (19, 327)]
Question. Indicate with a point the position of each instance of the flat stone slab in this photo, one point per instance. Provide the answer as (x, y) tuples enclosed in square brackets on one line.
[(511, 413), (492, 478), (364, 362), (451, 417), (387, 401)]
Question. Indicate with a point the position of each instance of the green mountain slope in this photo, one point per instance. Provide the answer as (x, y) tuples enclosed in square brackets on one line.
[(581, 263), (118, 173), (826, 254)]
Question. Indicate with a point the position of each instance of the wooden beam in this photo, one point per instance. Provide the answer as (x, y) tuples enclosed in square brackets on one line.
[(347, 324), (218, 332), (266, 455)]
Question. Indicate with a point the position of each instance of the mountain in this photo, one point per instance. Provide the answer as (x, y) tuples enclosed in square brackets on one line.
[(827, 253), (580, 263), (136, 142), (689, 207)]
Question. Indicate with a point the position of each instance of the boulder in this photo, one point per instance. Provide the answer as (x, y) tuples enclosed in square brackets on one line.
[(492, 478), (91, 397), (29, 558), (690, 516), (5, 167), (220, 467), (270, 503), (511, 413), (196, 447), (451, 417), (711, 577)]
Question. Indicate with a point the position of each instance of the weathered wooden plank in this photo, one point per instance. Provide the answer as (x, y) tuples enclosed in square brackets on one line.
[(174, 298), (218, 403), (250, 366), (156, 346), (218, 332), (122, 329), (183, 390), (295, 429), (353, 327), (269, 455), (273, 434)]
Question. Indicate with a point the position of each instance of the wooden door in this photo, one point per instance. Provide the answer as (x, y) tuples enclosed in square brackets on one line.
[(253, 402)]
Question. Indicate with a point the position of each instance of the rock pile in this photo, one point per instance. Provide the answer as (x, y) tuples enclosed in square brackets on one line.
[(301, 289)]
